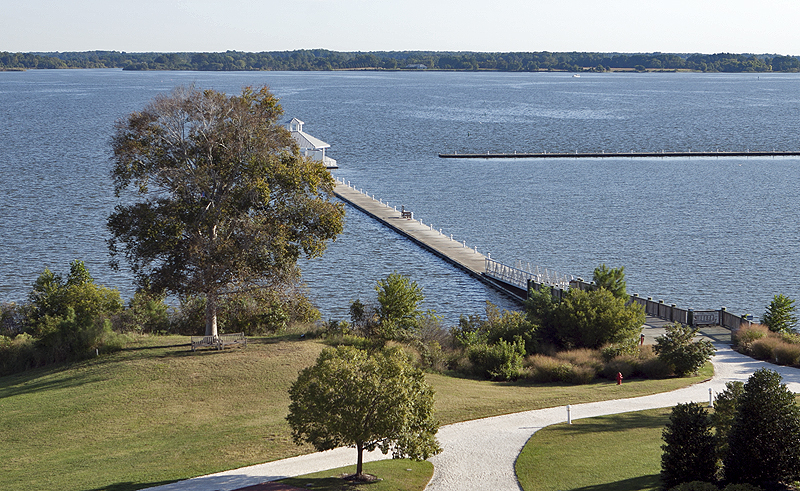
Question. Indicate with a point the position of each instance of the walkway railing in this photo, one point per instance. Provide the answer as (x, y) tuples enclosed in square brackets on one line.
[(520, 277)]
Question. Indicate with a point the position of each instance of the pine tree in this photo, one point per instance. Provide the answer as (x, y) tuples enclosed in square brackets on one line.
[(689, 450)]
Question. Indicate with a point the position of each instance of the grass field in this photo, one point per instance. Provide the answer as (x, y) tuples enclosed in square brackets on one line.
[(621, 452), (156, 412)]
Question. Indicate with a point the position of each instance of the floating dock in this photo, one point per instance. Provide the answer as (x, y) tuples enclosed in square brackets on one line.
[(594, 155)]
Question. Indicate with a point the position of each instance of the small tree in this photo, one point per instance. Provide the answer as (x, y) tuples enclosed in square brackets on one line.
[(780, 315), (398, 311), (355, 399), (725, 405), (688, 446), (612, 280), (764, 440), (590, 319), (680, 352)]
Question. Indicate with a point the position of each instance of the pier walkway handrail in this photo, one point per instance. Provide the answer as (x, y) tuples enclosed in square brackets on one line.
[(520, 277)]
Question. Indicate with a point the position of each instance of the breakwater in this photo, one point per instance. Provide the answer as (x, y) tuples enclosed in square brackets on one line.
[(594, 155)]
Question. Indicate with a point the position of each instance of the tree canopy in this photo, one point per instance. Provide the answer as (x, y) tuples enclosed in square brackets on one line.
[(367, 401), (764, 438), (226, 201), (322, 59)]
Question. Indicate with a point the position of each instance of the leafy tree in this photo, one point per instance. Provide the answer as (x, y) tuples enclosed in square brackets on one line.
[(355, 399), (398, 311), (590, 319), (780, 315), (612, 280), (51, 297), (764, 440), (680, 352), (227, 203), (69, 319), (688, 446), (725, 406)]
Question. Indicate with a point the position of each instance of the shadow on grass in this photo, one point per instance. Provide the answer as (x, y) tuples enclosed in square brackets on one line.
[(615, 423), (651, 481), (130, 486), (327, 484)]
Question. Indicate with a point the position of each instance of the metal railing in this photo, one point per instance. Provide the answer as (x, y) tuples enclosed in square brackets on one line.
[(519, 277)]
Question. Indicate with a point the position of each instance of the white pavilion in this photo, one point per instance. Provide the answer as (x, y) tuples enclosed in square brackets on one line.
[(311, 147)]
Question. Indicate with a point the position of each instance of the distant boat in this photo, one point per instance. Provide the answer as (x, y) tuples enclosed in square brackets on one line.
[(576, 76)]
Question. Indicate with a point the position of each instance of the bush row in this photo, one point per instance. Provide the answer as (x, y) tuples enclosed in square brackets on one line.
[(756, 340)]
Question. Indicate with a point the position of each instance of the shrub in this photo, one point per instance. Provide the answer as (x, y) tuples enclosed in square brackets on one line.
[(17, 354), (509, 325), (764, 348), (679, 351), (786, 354), (12, 319), (688, 446), (652, 368), (499, 361), (741, 487), (591, 319), (744, 337), (695, 486), (764, 439), (146, 313), (626, 347), (623, 364)]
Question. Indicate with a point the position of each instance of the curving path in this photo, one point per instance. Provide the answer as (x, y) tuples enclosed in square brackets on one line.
[(480, 454)]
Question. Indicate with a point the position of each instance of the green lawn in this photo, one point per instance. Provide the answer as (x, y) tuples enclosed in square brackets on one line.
[(157, 413), (621, 452)]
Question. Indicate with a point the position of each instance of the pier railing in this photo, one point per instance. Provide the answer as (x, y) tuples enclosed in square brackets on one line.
[(524, 279), (521, 277)]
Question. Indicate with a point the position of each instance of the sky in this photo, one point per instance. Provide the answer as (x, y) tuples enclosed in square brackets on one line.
[(631, 26)]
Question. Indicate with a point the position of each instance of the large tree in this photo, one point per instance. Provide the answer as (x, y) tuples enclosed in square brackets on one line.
[(227, 203), (367, 401), (764, 439)]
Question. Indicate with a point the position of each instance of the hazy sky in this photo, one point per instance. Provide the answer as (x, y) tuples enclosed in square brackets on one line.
[(676, 26)]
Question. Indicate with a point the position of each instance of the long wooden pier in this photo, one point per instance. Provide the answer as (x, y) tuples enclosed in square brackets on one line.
[(594, 155), (511, 281), (452, 251)]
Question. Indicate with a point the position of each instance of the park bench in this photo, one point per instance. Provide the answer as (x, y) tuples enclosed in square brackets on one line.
[(219, 341)]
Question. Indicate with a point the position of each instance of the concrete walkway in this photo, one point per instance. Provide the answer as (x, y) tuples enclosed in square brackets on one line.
[(480, 454)]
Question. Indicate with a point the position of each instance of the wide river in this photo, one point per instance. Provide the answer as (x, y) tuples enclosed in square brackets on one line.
[(701, 233)]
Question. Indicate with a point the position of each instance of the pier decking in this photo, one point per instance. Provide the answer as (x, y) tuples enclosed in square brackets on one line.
[(452, 251), (594, 155)]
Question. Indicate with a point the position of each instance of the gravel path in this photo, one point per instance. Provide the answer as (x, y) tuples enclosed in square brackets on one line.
[(480, 454)]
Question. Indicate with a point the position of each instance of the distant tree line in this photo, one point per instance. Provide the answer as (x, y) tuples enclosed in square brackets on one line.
[(321, 59)]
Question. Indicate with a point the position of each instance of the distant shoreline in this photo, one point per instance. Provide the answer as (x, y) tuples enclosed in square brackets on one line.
[(326, 60)]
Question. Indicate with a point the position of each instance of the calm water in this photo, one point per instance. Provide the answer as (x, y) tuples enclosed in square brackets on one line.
[(701, 233)]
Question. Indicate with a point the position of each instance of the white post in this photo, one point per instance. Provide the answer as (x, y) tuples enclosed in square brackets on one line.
[(710, 398), (569, 418)]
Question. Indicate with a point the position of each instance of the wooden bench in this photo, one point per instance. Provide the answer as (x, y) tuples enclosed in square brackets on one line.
[(219, 341)]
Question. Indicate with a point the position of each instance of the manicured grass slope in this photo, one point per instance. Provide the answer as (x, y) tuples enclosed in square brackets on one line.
[(157, 412), (621, 452)]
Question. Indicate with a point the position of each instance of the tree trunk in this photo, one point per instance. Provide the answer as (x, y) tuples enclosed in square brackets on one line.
[(360, 462), (211, 315)]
